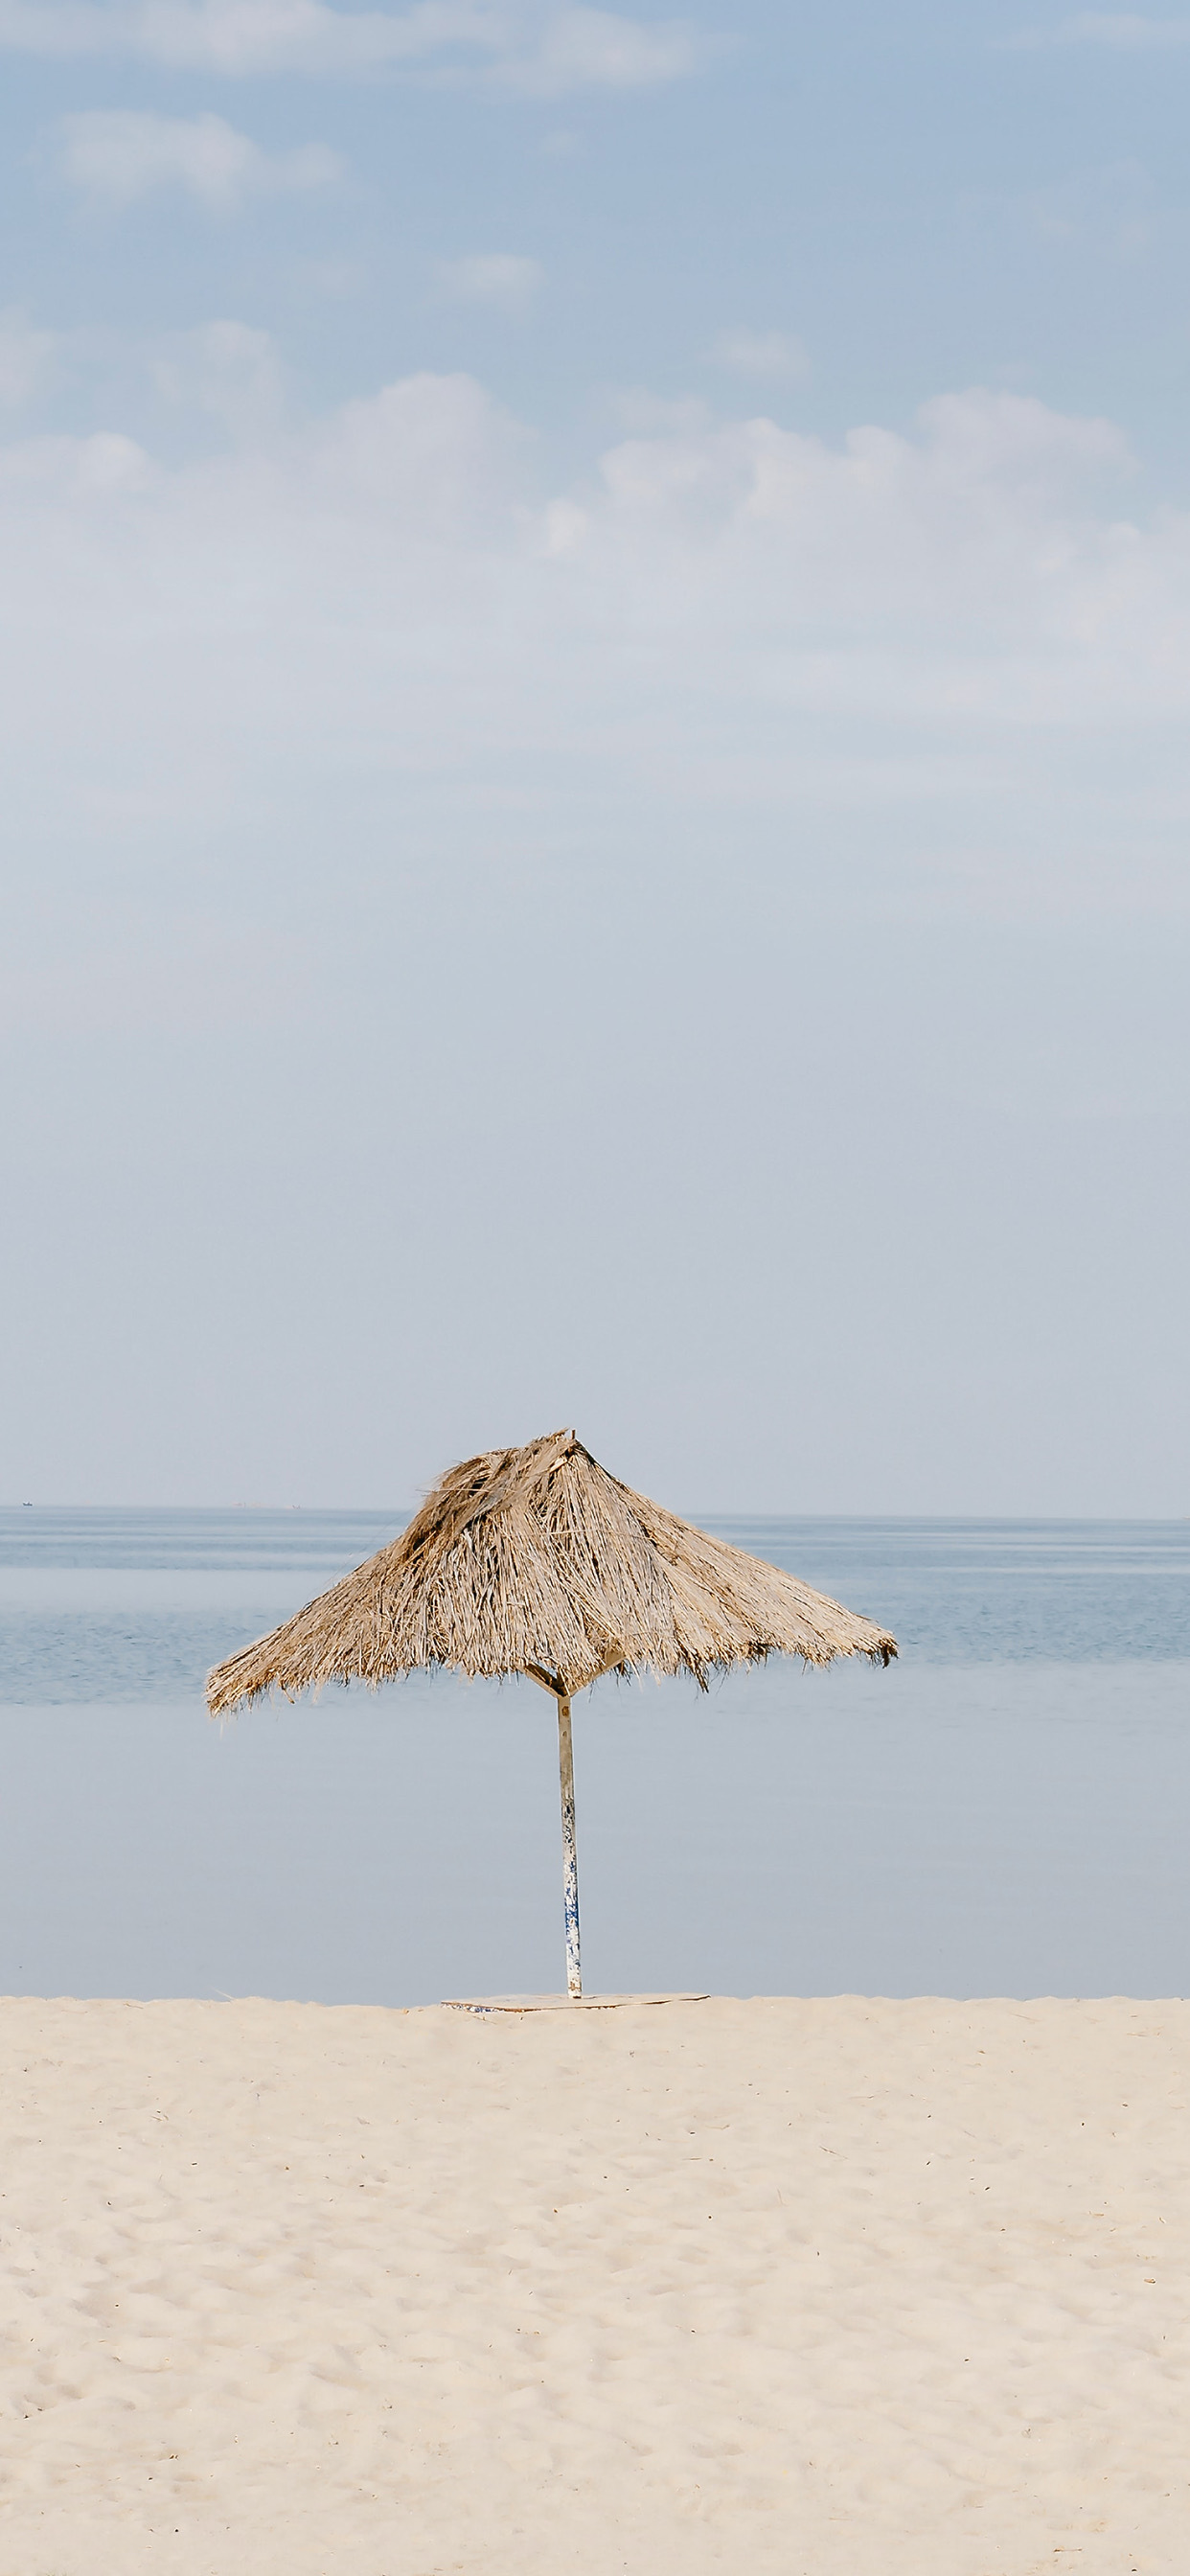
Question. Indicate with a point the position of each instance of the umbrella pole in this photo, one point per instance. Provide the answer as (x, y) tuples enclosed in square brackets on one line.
[(574, 1974)]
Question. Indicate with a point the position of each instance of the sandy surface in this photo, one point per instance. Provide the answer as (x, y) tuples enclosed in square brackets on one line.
[(819, 2288)]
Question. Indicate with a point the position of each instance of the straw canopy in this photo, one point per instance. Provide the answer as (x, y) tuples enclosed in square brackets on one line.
[(537, 1561)]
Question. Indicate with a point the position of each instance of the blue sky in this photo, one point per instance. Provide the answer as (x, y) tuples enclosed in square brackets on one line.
[(596, 632), (920, 199)]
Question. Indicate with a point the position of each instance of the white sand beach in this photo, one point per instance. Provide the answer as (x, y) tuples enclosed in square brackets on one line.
[(839, 2288)]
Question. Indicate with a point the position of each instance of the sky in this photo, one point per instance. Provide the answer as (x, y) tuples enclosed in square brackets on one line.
[(595, 614)]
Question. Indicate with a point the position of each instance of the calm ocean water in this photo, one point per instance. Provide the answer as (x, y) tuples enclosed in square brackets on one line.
[(1004, 1811)]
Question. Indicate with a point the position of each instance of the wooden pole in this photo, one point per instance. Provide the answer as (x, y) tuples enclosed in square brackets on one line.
[(552, 1682), (574, 1974)]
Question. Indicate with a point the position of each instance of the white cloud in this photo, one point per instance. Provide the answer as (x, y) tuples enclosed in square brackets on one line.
[(227, 370), (238, 36), (25, 355), (124, 153), (338, 279), (492, 277), (958, 637), (529, 45), (774, 354), (1125, 33), (592, 49)]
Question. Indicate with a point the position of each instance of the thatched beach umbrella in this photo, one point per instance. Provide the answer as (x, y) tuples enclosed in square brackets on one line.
[(537, 1561)]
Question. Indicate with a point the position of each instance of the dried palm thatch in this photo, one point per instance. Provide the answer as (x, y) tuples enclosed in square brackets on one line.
[(537, 1561)]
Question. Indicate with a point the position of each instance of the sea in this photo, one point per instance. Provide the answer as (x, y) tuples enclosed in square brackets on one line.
[(1004, 1811)]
